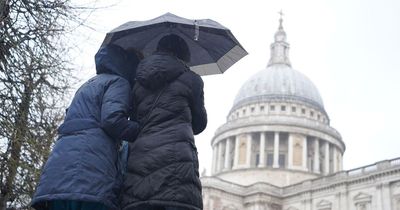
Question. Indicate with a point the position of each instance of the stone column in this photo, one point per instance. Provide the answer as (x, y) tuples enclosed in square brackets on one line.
[(227, 154), (248, 150), (379, 200), (216, 147), (262, 150), (206, 201), (326, 158), (334, 159), (220, 158), (307, 204), (316, 156), (305, 153), (386, 197), (211, 203), (236, 155), (257, 206), (276, 150), (343, 200), (290, 151), (214, 160)]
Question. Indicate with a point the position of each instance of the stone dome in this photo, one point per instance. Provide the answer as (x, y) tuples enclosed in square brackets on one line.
[(277, 130), (292, 140), (279, 81)]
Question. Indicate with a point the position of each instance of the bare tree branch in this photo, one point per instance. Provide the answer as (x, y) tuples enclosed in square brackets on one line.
[(35, 76)]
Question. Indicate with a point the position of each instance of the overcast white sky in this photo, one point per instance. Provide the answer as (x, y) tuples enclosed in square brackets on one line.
[(350, 49)]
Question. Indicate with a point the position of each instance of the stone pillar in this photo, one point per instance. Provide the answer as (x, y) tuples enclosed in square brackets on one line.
[(386, 197), (379, 200), (307, 202), (276, 150), (211, 203), (262, 150), (220, 158), (316, 156), (290, 151), (206, 201), (236, 155), (216, 157), (334, 159), (326, 160), (340, 160), (253, 206), (305, 153), (343, 200), (258, 206), (248, 150), (227, 154), (214, 160)]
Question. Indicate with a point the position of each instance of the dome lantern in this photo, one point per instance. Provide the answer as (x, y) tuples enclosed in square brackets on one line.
[(280, 48)]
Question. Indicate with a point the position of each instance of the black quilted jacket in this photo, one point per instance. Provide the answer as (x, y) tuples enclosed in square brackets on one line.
[(163, 164)]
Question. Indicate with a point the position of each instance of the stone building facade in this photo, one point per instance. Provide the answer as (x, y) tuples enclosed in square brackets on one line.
[(277, 151)]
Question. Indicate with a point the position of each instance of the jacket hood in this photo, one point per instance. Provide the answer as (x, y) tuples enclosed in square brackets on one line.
[(159, 69), (112, 59)]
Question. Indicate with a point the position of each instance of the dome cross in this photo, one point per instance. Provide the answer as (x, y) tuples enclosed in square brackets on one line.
[(280, 19)]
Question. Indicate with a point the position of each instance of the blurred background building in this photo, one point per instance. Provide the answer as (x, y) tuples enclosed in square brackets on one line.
[(278, 151)]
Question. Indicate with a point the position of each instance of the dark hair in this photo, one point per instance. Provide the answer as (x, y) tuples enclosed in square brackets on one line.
[(176, 45)]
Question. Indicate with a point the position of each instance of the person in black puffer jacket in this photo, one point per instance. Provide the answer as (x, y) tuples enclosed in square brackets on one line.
[(162, 170), (82, 170)]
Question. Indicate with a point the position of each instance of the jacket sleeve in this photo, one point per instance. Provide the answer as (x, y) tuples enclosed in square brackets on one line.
[(114, 111), (199, 113)]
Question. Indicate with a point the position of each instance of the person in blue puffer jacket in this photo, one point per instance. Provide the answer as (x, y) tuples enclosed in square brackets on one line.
[(82, 170)]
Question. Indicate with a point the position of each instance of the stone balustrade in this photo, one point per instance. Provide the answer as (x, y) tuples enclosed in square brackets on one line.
[(325, 182), (344, 177)]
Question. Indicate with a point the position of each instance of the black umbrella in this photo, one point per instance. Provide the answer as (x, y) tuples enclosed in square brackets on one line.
[(212, 46)]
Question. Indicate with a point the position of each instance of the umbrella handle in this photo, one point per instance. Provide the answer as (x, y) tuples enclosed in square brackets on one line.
[(196, 30)]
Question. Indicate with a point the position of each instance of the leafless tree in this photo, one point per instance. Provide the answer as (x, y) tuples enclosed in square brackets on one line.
[(35, 76)]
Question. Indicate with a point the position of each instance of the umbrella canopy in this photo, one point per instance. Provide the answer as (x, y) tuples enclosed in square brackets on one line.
[(213, 48)]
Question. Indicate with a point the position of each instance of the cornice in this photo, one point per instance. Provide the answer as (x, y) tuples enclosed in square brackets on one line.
[(387, 171)]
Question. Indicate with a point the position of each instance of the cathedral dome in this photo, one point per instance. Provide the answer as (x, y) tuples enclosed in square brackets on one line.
[(279, 81), (277, 130)]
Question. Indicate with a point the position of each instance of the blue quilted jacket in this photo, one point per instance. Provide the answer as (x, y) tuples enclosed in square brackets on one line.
[(83, 164)]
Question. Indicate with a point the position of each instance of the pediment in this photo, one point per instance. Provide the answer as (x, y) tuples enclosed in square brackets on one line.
[(324, 204), (362, 197)]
